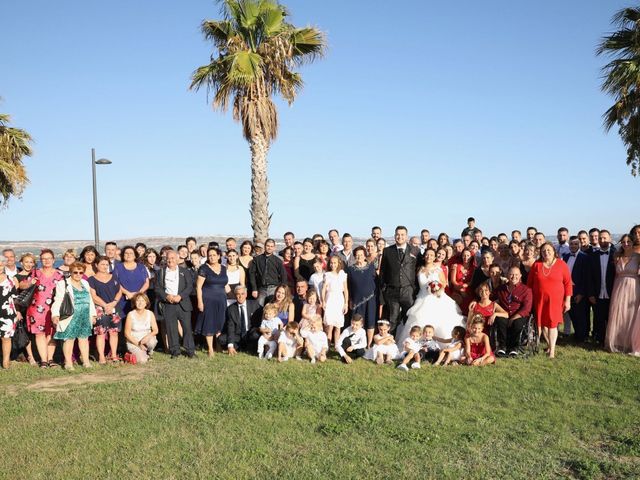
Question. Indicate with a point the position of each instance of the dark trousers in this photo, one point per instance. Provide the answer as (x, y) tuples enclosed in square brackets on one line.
[(508, 333), (248, 343), (354, 354), (600, 319), (172, 314), (579, 315), (397, 301), (429, 355)]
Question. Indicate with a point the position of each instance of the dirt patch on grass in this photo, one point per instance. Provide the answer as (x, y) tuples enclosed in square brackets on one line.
[(62, 384)]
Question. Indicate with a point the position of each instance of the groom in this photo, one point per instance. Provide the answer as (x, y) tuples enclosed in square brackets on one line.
[(398, 279)]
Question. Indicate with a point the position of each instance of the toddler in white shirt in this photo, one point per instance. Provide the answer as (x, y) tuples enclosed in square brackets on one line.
[(315, 341), (269, 330), (290, 343), (411, 349)]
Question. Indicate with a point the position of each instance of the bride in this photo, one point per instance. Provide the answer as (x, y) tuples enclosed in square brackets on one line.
[(432, 306)]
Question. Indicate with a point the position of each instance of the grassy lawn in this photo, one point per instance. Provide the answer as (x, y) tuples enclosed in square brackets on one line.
[(575, 417)]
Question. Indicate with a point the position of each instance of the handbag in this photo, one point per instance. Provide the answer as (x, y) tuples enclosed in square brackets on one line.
[(66, 309), (23, 299), (20, 337)]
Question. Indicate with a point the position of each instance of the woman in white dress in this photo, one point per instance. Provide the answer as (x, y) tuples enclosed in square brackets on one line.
[(235, 274), (432, 306)]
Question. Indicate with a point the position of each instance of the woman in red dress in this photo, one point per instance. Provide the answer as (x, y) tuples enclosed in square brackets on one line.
[(550, 280), (461, 274)]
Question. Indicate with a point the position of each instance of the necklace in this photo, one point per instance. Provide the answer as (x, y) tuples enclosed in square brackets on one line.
[(548, 272)]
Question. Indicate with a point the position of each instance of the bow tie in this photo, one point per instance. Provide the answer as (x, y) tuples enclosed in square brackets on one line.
[(602, 252), (573, 254)]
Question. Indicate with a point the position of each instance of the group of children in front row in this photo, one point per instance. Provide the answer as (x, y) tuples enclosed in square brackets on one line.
[(307, 338)]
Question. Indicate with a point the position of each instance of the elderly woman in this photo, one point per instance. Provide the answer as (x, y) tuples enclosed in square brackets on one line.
[(141, 329), (88, 255), (8, 313), (133, 276), (79, 325), (25, 279), (106, 294), (361, 280), (68, 257), (550, 281), (39, 312)]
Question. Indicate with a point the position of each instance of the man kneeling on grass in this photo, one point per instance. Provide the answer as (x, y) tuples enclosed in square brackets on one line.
[(353, 340)]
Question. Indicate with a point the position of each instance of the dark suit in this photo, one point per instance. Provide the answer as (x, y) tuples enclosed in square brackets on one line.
[(397, 281), (594, 284), (235, 331), (579, 313), (172, 313)]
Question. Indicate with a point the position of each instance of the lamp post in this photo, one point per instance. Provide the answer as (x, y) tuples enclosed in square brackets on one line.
[(94, 162)]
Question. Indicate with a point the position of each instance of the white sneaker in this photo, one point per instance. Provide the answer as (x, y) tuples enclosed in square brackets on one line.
[(269, 356), (260, 356), (285, 359), (415, 365), (313, 360), (298, 357), (403, 367)]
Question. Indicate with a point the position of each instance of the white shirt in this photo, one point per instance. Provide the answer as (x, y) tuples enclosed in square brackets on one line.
[(273, 324), (10, 273), (171, 281), (318, 340), (571, 261), (358, 339), (604, 260)]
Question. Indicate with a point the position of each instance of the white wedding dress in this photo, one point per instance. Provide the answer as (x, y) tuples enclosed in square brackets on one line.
[(430, 309)]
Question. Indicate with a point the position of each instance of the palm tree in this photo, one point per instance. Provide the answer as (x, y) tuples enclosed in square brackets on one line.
[(622, 81), (14, 146), (257, 52)]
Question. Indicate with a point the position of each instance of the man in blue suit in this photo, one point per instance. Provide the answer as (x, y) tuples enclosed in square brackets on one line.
[(578, 263)]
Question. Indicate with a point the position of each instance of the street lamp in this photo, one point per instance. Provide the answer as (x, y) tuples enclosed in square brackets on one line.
[(94, 162)]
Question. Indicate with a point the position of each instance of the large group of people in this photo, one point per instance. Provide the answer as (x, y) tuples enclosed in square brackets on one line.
[(419, 299)]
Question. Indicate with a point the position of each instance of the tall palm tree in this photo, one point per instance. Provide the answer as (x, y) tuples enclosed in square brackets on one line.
[(257, 52), (622, 81), (14, 146)]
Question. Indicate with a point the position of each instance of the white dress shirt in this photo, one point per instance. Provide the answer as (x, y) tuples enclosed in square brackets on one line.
[(358, 339), (171, 281)]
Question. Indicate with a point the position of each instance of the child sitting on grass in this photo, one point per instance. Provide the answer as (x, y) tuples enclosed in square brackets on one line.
[(316, 341), (453, 352), (411, 346), (290, 343), (353, 340), (384, 345), (477, 346), (430, 350), (310, 309), (269, 331)]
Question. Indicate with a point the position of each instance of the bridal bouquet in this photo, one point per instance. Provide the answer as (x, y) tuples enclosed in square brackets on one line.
[(435, 287)]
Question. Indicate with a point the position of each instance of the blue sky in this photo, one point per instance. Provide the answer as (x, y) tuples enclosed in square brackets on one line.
[(420, 115)]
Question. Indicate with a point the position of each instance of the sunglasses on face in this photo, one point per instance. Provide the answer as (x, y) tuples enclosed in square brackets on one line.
[(77, 273)]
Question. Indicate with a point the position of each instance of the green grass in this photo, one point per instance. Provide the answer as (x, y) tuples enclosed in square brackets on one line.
[(575, 417)]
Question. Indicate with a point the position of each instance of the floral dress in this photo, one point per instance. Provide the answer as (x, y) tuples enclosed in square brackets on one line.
[(39, 312), (7, 309)]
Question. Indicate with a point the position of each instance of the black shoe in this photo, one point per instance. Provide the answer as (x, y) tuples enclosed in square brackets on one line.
[(191, 355), (501, 353), (174, 355)]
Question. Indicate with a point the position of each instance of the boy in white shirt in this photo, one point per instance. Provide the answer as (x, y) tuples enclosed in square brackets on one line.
[(411, 350), (353, 340), (316, 342)]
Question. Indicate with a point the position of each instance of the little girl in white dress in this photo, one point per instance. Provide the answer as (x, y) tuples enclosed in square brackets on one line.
[(384, 345)]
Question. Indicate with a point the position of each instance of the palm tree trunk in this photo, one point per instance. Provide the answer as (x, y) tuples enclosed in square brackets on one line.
[(260, 218)]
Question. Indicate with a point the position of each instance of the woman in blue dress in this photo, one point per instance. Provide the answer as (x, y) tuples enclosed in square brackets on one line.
[(211, 291), (361, 279), (133, 278)]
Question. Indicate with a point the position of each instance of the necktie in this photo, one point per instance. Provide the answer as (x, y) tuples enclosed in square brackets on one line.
[(572, 254), (243, 318), (401, 254)]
